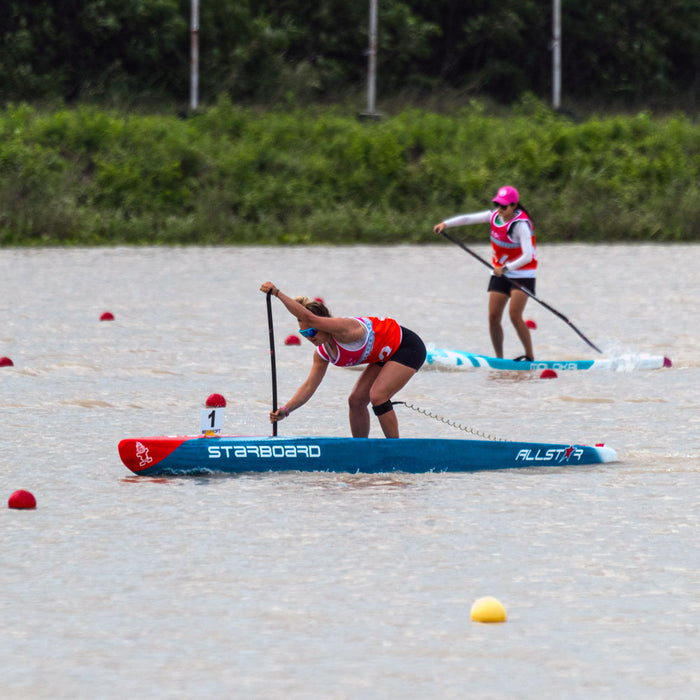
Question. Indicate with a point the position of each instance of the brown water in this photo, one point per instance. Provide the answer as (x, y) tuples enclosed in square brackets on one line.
[(344, 586)]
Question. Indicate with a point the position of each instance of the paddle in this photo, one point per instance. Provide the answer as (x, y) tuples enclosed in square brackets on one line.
[(272, 359), (524, 289)]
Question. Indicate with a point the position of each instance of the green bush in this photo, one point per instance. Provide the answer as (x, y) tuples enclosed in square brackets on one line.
[(230, 175)]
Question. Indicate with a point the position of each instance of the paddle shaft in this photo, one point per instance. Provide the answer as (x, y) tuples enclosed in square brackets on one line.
[(272, 359), (524, 289)]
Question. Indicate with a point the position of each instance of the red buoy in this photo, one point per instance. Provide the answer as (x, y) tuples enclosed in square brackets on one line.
[(21, 499), (667, 362), (6, 362), (292, 340), (107, 316), (215, 401), (530, 324), (548, 374)]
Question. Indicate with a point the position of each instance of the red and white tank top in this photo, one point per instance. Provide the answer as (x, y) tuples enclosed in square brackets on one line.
[(381, 340), (505, 249)]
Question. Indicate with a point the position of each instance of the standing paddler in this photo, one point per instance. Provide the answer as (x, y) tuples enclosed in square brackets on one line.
[(392, 353), (514, 257)]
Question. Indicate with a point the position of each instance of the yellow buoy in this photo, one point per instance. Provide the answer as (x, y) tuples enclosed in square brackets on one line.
[(488, 609)]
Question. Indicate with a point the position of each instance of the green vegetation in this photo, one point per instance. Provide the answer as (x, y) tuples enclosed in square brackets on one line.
[(231, 175), (278, 168)]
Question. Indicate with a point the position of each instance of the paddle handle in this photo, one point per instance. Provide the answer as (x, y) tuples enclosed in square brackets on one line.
[(273, 366)]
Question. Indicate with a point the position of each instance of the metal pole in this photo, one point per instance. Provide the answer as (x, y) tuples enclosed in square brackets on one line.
[(194, 56), (556, 54), (372, 57)]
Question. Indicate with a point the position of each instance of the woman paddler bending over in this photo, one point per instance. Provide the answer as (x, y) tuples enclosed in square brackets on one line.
[(393, 354)]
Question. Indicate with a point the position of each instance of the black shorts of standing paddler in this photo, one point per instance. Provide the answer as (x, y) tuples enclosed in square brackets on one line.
[(411, 352), (503, 285)]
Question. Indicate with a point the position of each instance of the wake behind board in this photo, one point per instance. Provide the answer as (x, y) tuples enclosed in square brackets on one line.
[(153, 456), (459, 359)]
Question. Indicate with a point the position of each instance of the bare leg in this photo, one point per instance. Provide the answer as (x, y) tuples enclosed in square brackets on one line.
[(389, 424), (497, 303), (358, 401), (518, 300), (377, 385), (392, 378)]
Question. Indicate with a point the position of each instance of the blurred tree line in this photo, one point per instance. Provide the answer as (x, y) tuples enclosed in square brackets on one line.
[(614, 52)]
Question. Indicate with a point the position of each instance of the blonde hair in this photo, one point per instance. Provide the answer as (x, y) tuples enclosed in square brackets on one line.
[(318, 308)]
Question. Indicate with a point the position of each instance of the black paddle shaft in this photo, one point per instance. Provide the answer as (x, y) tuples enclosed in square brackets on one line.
[(272, 359), (524, 289)]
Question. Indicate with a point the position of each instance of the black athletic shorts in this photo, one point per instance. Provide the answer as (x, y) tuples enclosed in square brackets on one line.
[(503, 285), (411, 352)]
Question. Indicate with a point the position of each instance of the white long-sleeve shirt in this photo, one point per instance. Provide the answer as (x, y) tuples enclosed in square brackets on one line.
[(520, 232)]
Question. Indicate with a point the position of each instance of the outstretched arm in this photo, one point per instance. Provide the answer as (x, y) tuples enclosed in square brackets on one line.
[(305, 391), (346, 330), (481, 217), (294, 307)]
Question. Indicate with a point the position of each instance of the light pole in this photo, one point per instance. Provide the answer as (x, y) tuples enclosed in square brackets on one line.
[(372, 61), (556, 54), (194, 56)]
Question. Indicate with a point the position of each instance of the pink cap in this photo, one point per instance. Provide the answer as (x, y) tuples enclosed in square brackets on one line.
[(507, 195)]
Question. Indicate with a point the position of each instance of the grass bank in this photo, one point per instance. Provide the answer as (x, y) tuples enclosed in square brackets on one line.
[(231, 175)]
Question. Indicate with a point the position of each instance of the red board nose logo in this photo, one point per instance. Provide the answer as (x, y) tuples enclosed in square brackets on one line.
[(142, 454)]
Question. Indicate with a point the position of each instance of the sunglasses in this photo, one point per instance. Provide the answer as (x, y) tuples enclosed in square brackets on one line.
[(308, 332), (502, 206)]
